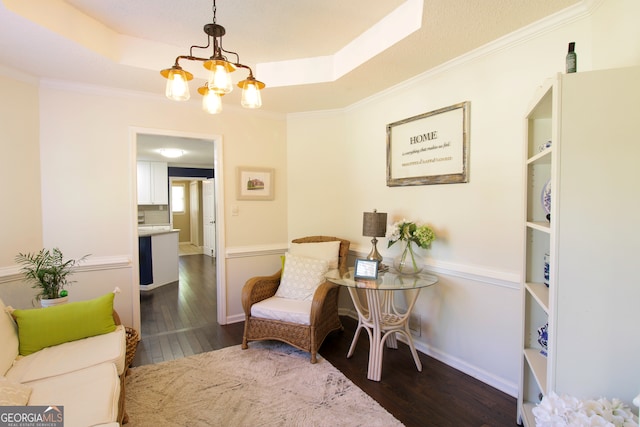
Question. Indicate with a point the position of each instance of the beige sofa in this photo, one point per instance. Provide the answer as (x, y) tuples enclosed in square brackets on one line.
[(85, 376)]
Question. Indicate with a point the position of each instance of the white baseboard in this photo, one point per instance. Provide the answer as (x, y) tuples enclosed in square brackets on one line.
[(145, 288), (480, 374), (235, 318)]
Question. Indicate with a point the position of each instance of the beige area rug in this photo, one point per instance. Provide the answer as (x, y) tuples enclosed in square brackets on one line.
[(270, 384)]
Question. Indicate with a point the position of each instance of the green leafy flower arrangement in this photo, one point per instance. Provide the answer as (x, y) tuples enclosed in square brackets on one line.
[(408, 231), (48, 272)]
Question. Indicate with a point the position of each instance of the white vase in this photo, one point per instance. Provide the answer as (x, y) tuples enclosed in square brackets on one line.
[(53, 302)]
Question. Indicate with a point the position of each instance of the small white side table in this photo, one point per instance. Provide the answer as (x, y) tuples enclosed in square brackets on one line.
[(380, 316)]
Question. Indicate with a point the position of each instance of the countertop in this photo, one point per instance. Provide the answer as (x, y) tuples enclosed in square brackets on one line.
[(142, 232)]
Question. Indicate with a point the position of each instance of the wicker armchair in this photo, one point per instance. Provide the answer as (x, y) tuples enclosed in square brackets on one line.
[(324, 308)]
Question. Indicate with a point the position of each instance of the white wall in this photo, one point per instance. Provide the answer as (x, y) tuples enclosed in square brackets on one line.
[(87, 179), (21, 212), (616, 34), (471, 319), (330, 167)]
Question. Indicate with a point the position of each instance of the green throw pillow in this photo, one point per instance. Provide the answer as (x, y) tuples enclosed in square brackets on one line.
[(44, 327)]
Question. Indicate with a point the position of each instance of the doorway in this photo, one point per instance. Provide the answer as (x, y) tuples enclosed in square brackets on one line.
[(195, 219), (192, 209), (145, 145), (209, 217)]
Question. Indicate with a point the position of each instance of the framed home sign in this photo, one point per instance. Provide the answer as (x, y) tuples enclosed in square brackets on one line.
[(254, 183), (432, 148)]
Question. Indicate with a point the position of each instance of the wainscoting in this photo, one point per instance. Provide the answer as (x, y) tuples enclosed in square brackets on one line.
[(180, 320)]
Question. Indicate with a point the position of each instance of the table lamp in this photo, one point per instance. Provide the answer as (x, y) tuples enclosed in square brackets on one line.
[(374, 224)]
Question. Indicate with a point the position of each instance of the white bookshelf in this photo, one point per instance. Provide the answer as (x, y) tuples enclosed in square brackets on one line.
[(592, 238)]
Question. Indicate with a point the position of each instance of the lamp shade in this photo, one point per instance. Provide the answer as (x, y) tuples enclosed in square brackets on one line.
[(251, 88), (177, 87), (251, 95), (374, 224)]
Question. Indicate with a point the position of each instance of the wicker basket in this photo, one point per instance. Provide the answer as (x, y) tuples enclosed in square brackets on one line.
[(132, 344)]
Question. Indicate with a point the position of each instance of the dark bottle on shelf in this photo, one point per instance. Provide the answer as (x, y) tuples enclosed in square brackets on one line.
[(572, 61)]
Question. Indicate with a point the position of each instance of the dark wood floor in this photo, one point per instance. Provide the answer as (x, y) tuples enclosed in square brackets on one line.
[(180, 320)]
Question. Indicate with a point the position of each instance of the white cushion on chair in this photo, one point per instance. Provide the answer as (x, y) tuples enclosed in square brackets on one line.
[(301, 277), (329, 251), (283, 309)]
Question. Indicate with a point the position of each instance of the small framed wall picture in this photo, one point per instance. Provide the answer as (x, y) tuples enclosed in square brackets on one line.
[(366, 269), (254, 183)]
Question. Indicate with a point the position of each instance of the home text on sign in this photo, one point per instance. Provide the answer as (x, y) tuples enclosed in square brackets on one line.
[(424, 137)]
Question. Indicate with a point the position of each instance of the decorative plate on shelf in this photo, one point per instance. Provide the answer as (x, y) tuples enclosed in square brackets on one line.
[(546, 197)]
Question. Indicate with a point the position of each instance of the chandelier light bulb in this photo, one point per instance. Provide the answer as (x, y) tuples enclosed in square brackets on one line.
[(177, 86), (220, 80), (212, 102), (251, 97)]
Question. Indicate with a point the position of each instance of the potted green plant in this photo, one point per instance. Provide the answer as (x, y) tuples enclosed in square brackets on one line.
[(49, 273)]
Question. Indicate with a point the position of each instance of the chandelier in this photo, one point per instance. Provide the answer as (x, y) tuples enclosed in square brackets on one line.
[(219, 82)]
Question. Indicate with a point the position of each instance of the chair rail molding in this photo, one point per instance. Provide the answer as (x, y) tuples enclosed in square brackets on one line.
[(256, 250), (505, 279), (14, 272)]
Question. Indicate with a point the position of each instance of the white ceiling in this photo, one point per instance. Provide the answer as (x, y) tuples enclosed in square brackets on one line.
[(198, 153), (123, 43)]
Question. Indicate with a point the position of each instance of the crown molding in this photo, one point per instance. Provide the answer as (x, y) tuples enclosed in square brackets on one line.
[(550, 23), (14, 74)]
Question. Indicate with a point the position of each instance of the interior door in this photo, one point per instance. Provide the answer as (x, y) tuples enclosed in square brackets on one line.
[(209, 218), (194, 213)]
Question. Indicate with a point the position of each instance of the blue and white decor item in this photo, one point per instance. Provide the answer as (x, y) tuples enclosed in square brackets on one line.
[(546, 269), (544, 146), (545, 198), (543, 336)]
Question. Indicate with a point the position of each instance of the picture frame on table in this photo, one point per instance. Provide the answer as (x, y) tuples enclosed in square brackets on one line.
[(254, 183), (366, 269)]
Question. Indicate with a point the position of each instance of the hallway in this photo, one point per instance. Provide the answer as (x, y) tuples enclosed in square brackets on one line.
[(186, 248), (180, 319)]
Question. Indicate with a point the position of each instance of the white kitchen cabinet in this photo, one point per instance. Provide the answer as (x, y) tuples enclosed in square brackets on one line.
[(592, 239), (153, 183)]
